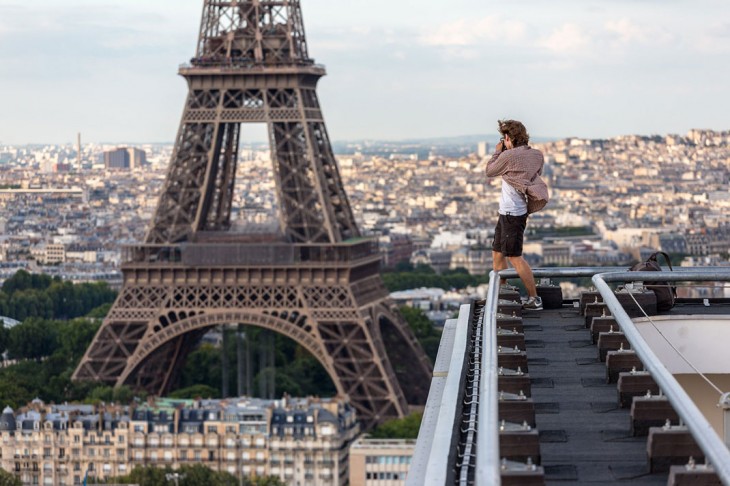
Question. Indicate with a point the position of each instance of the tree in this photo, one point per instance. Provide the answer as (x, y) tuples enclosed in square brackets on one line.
[(264, 481), (19, 281), (75, 336), (144, 476), (31, 339), (4, 337), (203, 366), (403, 428), (107, 394), (194, 391), (100, 312), (13, 395), (9, 479), (418, 322), (199, 475)]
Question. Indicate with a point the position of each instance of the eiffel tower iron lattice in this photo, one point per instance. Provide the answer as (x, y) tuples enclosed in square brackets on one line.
[(316, 281)]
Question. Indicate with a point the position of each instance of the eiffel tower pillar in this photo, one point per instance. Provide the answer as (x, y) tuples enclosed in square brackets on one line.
[(315, 281)]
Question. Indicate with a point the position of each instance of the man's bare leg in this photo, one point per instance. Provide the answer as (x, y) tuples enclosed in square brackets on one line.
[(499, 262), (525, 272)]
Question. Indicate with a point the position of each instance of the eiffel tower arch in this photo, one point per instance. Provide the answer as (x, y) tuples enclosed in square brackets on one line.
[(315, 281)]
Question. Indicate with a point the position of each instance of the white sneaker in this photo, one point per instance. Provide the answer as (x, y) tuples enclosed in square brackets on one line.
[(533, 303)]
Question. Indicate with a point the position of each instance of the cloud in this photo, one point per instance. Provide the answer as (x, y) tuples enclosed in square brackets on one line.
[(715, 39), (467, 32), (568, 39), (623, 32)]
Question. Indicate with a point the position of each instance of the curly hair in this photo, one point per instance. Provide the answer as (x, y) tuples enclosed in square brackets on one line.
[(516, 131)]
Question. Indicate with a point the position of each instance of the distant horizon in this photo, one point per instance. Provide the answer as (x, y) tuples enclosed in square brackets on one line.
[(469, 138)]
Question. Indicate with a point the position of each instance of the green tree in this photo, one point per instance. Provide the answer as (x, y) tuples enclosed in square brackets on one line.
[(263, 481), (402, 428), (4, 338), (144, 476), (107, 394), (13, 395), (423, 328), (100, 312), (19, 281), (199, 475), (203, 367), (418, 322), (9, 479), (31, 339), (75, 336), (404, 266), (195, 391)]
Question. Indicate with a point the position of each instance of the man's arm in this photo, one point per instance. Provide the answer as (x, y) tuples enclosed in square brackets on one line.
[(498, 164)]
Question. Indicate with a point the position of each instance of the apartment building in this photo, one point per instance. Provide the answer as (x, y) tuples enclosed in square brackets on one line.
[(380, 461), (300, 440), (58, 444)]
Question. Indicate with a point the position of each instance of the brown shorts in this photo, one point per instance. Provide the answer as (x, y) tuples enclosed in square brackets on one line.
[(509, 234)]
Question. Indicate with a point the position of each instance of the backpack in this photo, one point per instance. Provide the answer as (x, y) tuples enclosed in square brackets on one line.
[(665, 294)]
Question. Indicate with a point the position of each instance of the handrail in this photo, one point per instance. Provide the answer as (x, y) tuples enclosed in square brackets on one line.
[(487, 469), (708, 440), (488, 461)]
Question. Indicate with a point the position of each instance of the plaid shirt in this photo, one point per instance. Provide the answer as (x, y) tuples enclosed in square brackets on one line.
[(521, 168)]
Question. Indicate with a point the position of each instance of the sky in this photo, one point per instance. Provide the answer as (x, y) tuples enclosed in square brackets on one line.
[(396, 69)]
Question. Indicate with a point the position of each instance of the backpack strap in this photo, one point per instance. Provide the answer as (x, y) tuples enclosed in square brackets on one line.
[(653, 257)]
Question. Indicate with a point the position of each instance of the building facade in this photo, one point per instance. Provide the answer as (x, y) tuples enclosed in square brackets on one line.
[(380, 461), (302, 441)]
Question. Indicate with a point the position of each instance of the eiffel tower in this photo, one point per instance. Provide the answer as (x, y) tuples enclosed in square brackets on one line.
[(315, 280)]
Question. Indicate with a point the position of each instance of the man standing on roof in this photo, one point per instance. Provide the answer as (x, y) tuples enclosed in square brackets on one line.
[(523, 193)]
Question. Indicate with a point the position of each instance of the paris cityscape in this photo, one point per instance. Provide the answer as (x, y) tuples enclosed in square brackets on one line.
[(216, 309), (66, 214)]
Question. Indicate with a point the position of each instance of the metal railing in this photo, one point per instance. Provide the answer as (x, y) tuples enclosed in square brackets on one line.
[(433, 461), (709, 441), (487, 448)]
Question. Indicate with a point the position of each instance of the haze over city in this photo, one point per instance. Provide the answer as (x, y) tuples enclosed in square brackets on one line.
[(568, 68)]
